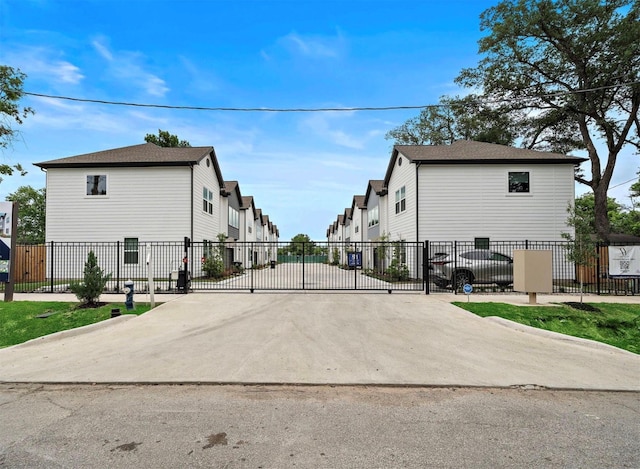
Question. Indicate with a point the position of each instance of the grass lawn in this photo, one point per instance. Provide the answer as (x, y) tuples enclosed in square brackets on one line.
[(19, 321), (614, 324)]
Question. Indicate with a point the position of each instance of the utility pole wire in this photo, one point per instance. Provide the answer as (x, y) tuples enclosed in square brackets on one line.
[(320, 109)]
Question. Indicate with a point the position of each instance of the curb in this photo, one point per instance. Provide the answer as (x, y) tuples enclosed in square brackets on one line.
[(558, 336), (74, 332)]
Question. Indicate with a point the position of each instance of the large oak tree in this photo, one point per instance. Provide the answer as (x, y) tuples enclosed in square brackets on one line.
[(573, 66)]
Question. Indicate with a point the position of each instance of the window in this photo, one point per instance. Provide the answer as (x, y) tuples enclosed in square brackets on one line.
[(130, 250), (481, 243), (207, 200), (357, 228), (372, 215), (400, 200), (234, 218), (519, 182), (97, 184)]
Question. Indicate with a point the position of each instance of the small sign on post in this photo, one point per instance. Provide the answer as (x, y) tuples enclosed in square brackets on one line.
[(467, 289)]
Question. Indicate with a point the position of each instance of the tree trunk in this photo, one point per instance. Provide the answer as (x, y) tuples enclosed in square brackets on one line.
[(603, 227)]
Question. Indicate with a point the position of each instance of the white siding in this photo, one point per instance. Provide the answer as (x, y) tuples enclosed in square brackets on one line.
[(205, 225), (151, 204), (403, 224), (462, 202)]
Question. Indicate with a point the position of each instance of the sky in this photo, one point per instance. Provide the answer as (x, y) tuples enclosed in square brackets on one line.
[(302, 168)]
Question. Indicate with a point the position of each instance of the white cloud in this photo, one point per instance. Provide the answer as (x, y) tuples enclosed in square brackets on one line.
[(312, 46), (42, 63), (321, 124), (127, 67)]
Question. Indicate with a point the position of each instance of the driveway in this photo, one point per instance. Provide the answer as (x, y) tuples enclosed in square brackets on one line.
[(319, 338)]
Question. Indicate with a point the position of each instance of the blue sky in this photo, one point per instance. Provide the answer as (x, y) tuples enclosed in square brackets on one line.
[(302, 168)]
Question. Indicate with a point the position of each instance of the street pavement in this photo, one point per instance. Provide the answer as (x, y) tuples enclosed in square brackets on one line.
[(114, 426), (321, 338)]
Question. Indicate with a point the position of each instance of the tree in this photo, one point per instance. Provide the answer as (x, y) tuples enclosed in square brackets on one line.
[(31, 214), (8, 170), (573, 66), (581, 245), (165, 139), (89, 290), (299, 243), (466, 118), (11, 91)]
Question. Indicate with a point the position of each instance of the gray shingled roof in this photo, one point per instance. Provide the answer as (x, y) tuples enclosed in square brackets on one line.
[(146, 154), (468, 150)]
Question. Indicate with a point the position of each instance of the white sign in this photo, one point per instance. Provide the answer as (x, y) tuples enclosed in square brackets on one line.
[(624, 261)]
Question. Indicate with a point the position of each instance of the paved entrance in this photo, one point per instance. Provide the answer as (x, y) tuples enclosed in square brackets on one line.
[(313, 338)]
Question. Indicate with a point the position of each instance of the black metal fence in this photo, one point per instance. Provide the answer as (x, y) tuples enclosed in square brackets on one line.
[(201, 266), (488, 267), (387, 266)]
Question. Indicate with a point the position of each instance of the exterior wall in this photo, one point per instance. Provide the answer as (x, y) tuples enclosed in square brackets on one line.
[(373, 232), (401, 226), (356, 225), (233, 202), (463, 202), (205, 225), (131, 208)]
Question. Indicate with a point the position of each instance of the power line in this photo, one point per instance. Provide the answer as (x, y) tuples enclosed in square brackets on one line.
[(237, 109), (319, 109)]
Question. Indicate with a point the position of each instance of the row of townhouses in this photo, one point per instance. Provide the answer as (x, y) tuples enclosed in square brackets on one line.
[(146, 193), (466, 191)]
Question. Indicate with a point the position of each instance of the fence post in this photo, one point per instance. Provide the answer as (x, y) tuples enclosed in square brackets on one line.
[(355, 266), (598, 267), (303, 286), (52, 262), (425, 266), (253, 267), (455, 267), (118, 266)]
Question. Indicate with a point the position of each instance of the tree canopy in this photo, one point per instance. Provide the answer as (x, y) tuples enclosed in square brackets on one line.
[(454, 119), (165, 139), (571, 69), (555, 75), (31, 214), (11, 91)]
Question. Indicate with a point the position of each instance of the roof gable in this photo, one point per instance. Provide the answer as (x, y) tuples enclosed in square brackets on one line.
[(472, 152), (376, 186)]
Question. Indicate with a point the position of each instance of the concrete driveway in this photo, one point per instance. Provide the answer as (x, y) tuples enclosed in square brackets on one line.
[(319, 338)]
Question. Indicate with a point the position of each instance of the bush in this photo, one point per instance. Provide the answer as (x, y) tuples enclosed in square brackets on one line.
[(89, 290), (398, 271), (213, 266)]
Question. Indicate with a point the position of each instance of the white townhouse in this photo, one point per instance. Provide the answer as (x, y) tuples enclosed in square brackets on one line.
[(141, 192), (248, 221), (473, 190), (358, 219), (376, 206)]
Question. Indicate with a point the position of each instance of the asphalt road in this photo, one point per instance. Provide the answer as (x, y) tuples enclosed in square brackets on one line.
[(84, 426)]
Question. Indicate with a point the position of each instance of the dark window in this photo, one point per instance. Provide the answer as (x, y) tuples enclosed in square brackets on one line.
[(400, 200), (481, 243), (519, 182), (130, 250), (97, 184)]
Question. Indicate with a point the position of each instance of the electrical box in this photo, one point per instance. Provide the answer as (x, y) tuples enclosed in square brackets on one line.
[(533, 271)]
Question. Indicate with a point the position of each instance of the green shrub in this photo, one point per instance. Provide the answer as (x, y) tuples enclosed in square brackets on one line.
[(213, 266), (89, 290)]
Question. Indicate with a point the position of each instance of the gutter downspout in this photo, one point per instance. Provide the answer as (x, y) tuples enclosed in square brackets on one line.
[(191, 227), (417, 204)]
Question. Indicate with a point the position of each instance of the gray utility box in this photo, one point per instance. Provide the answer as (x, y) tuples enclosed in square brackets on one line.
[(532, 272)]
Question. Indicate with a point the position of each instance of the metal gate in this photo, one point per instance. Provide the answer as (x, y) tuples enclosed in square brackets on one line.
[(385, 266)]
